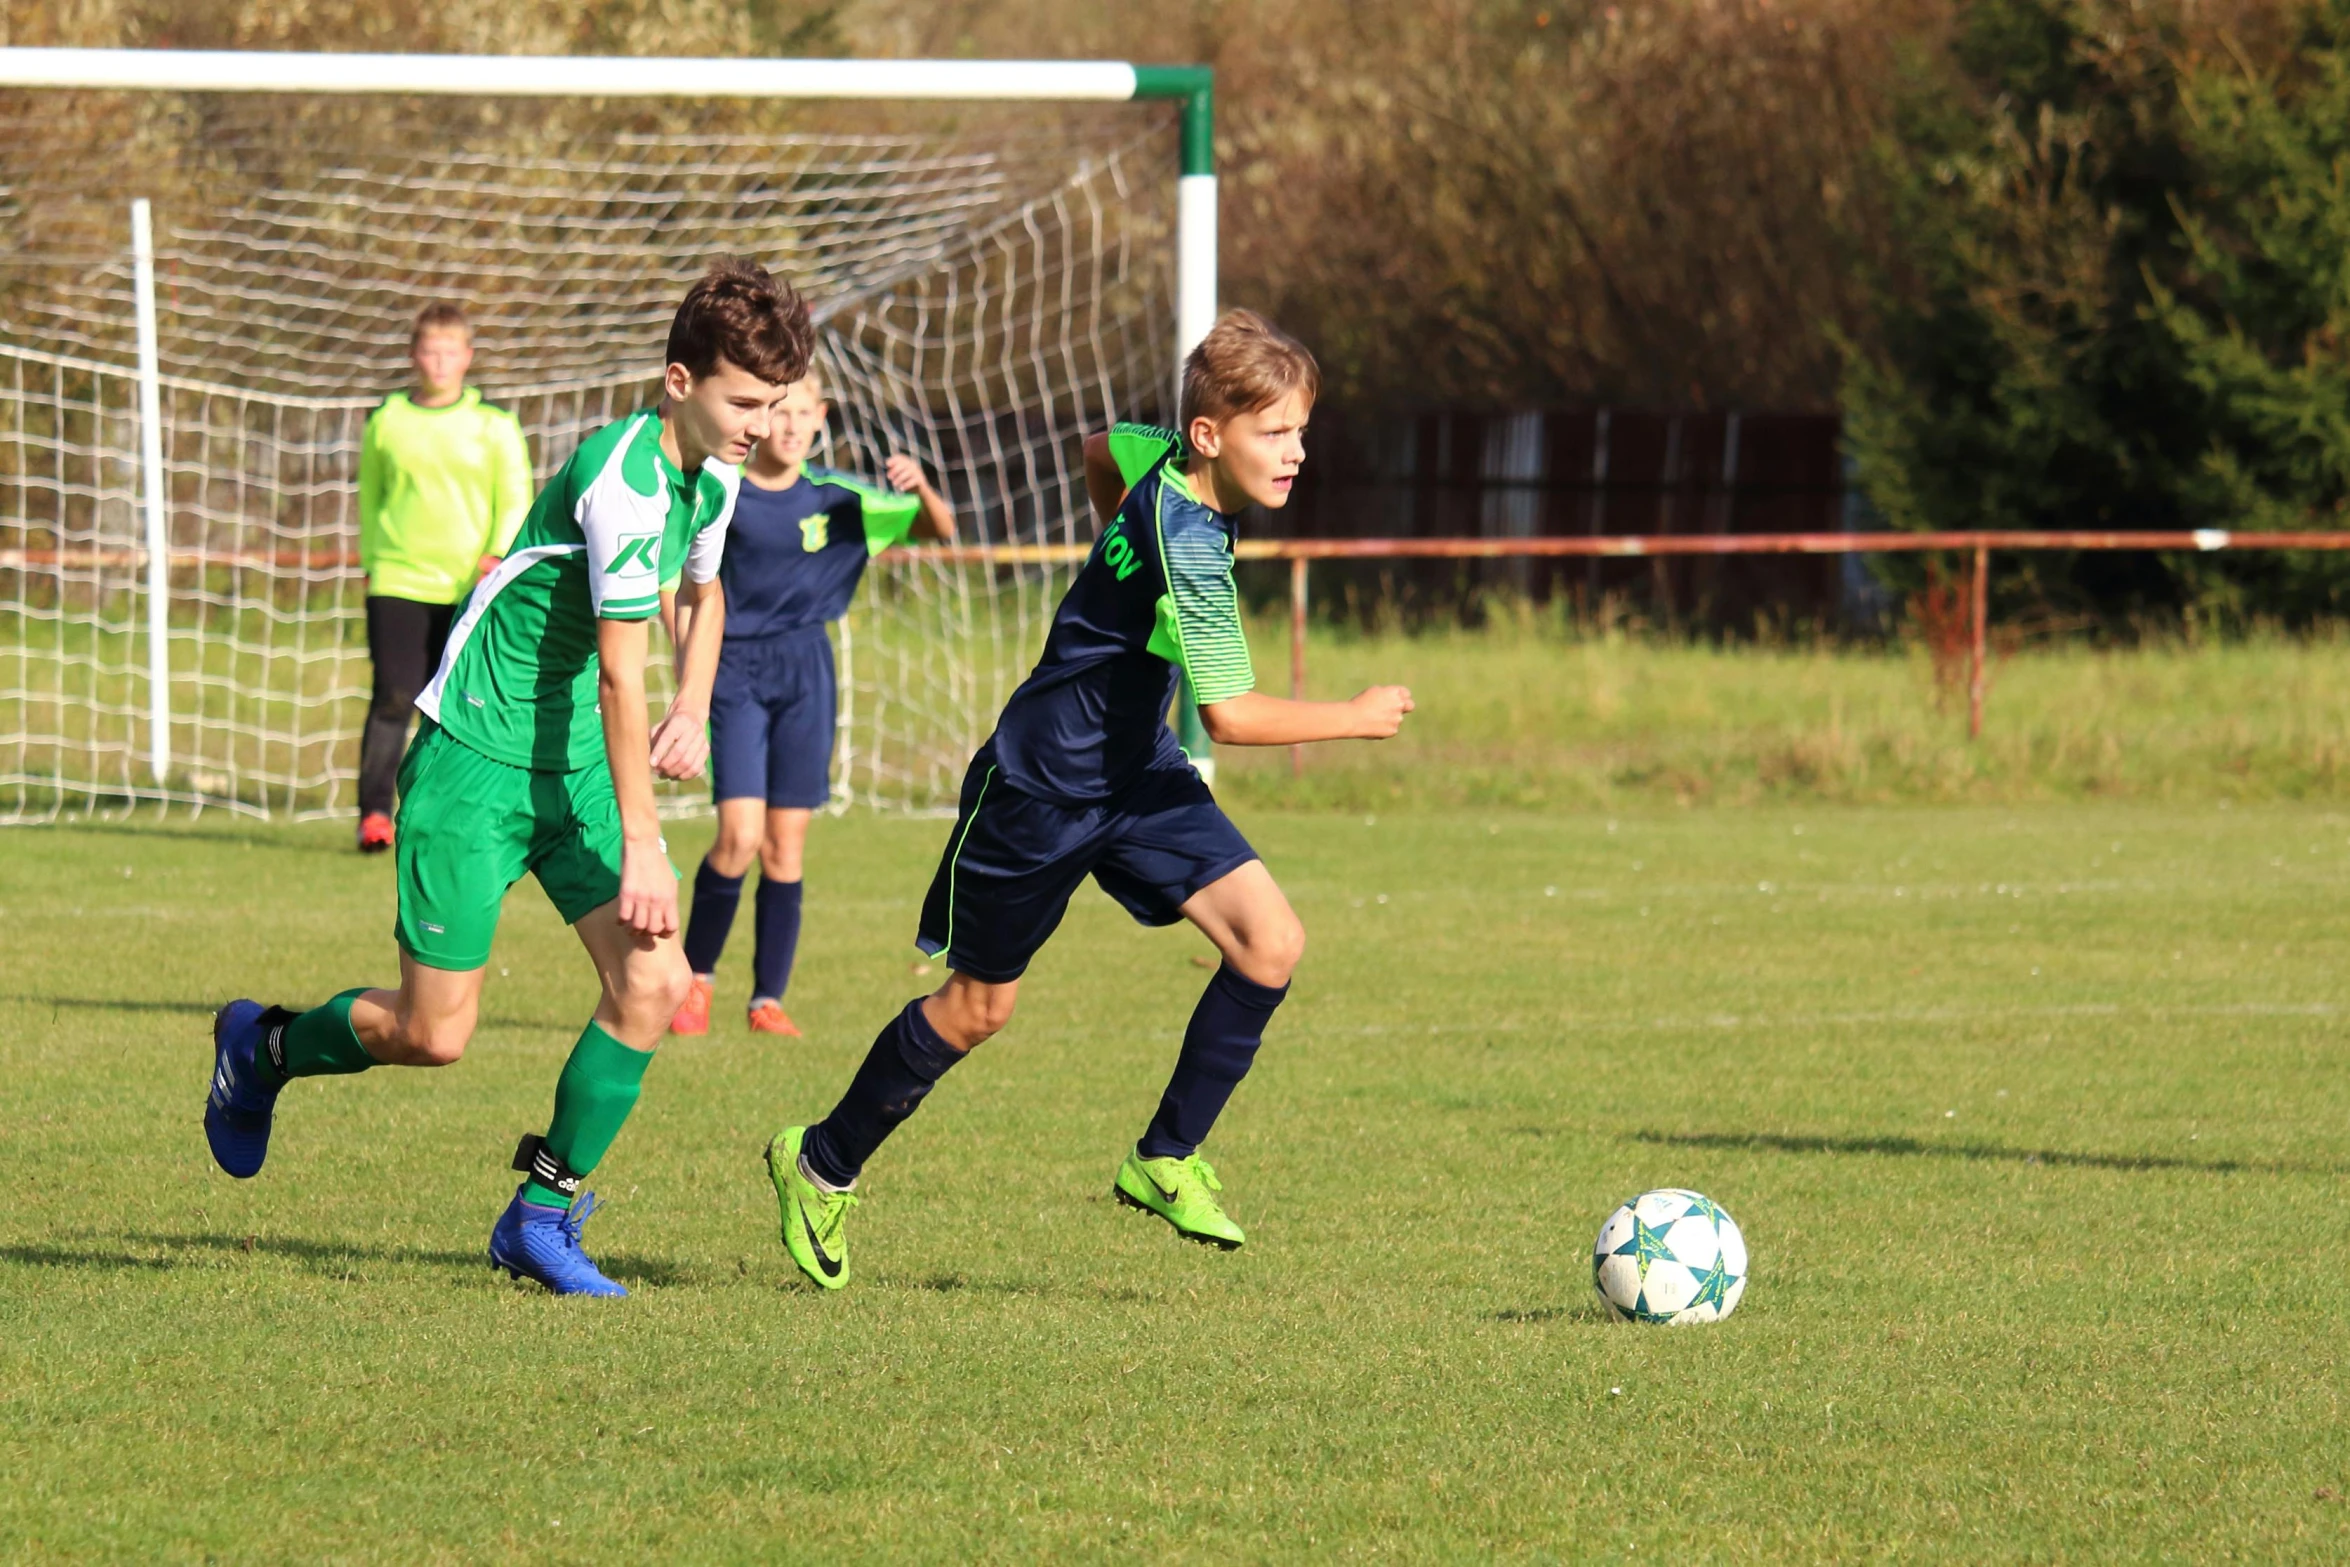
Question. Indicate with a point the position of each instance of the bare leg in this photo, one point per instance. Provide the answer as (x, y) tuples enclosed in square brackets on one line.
[(739, 833), (785, 843), (428, 1021), (1249, 919), (645, 977), (966, 1012)]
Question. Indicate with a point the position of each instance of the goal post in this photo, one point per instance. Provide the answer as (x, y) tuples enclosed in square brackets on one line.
[(155, 504), (225, 457)]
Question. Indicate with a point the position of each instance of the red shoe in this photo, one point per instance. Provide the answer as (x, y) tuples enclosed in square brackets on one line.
[(375, 833), (768, 1017), (694, 1016)]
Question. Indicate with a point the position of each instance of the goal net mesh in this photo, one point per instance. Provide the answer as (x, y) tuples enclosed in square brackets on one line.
[(988, 284)]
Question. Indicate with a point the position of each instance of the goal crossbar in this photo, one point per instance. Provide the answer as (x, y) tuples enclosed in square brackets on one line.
[(593, 76)]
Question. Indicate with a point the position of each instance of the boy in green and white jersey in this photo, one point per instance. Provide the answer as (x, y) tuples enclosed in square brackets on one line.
[(536, 757)]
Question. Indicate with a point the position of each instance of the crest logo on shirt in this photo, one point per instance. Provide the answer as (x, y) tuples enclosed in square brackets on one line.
[(642, 553), (815, 532)]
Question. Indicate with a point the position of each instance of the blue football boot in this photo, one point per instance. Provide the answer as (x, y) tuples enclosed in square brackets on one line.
[(243, 1097), (533, 1241)]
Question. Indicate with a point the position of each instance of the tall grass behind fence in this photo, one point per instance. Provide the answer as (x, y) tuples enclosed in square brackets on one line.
[(1532, 711)]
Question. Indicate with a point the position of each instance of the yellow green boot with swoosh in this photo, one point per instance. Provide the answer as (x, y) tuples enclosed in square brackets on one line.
[(1182, 1192)]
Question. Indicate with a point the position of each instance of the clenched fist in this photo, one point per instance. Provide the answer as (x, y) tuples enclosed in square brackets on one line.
[(1380, 710)]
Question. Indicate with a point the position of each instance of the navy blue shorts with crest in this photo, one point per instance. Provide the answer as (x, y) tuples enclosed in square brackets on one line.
[(1014, 860)]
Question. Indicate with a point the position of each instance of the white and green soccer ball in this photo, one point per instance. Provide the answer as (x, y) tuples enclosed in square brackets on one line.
[(1670, 1256)]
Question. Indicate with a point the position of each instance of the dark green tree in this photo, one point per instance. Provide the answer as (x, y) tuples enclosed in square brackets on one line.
[(2121, 297)]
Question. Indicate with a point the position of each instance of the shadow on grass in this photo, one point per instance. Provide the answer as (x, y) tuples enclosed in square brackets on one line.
[(161, 1253), (1918, 1147), (238, 830), (88, 1004), (1588, 1312), (206, 1009), (329, 1259), (949, 1283)]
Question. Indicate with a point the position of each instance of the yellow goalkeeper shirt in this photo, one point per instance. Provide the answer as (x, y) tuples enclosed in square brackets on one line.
[(439, 488)]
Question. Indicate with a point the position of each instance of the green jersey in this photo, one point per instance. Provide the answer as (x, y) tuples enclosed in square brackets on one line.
[(518, 682), (439, 488)]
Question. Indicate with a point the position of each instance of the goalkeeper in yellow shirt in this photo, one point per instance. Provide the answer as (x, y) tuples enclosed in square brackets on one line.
[(444, 482)]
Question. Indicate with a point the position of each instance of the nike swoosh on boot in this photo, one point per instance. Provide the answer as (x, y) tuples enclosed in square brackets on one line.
[(824, 1258)]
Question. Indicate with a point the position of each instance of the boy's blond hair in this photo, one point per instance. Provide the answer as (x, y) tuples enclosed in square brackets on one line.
[(1244, 363), (440, 316)]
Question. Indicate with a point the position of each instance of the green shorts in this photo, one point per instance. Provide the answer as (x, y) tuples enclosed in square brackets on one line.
[(470, 827)]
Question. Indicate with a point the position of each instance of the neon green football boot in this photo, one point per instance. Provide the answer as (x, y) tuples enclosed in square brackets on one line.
[(1180, 1191), (811, 1215)]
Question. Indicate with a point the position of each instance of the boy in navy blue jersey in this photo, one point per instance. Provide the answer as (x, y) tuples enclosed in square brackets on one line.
[(797, 549), (1082, 777)]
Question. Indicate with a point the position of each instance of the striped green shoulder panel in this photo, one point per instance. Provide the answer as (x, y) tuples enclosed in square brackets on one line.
[(1200, 616)]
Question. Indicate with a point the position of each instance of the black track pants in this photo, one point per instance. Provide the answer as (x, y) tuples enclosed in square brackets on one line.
[(404, 639)]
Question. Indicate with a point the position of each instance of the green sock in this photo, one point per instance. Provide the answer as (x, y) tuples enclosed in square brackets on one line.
[(319, 1043), (598, 1088)]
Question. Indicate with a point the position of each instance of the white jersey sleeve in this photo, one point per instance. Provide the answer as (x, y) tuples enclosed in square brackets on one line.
[(622, 529), (709, 546)]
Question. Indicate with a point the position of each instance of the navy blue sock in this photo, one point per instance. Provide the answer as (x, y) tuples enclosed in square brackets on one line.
[(907, 1058), (779, 938), (1226, 1028), (715, 897)]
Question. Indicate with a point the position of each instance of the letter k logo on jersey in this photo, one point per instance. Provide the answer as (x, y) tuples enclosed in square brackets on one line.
[(641, 553)]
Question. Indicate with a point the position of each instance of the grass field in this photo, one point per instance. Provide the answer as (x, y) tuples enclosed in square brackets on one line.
[(2036, 1118)]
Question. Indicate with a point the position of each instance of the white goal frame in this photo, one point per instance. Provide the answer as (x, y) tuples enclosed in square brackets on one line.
[(588, 76)]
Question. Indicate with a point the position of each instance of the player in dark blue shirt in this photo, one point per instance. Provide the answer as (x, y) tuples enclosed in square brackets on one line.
[(794, 554), (1091, 718), (1082, 778)]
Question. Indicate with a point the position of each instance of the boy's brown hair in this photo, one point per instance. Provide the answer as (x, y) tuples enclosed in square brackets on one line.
[(440, 316), (745, 315), (1244, 363)]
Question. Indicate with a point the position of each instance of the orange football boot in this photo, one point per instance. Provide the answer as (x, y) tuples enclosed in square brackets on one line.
[(768, 1017), (694, 1016)]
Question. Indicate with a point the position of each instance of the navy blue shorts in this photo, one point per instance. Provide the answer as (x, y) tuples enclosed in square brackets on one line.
[(771, 720), (1014, 860)]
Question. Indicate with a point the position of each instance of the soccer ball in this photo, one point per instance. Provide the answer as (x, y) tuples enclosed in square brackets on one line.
[(1669, 1256)]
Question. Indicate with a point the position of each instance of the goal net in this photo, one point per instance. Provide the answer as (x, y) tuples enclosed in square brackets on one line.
[(989, 282)]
